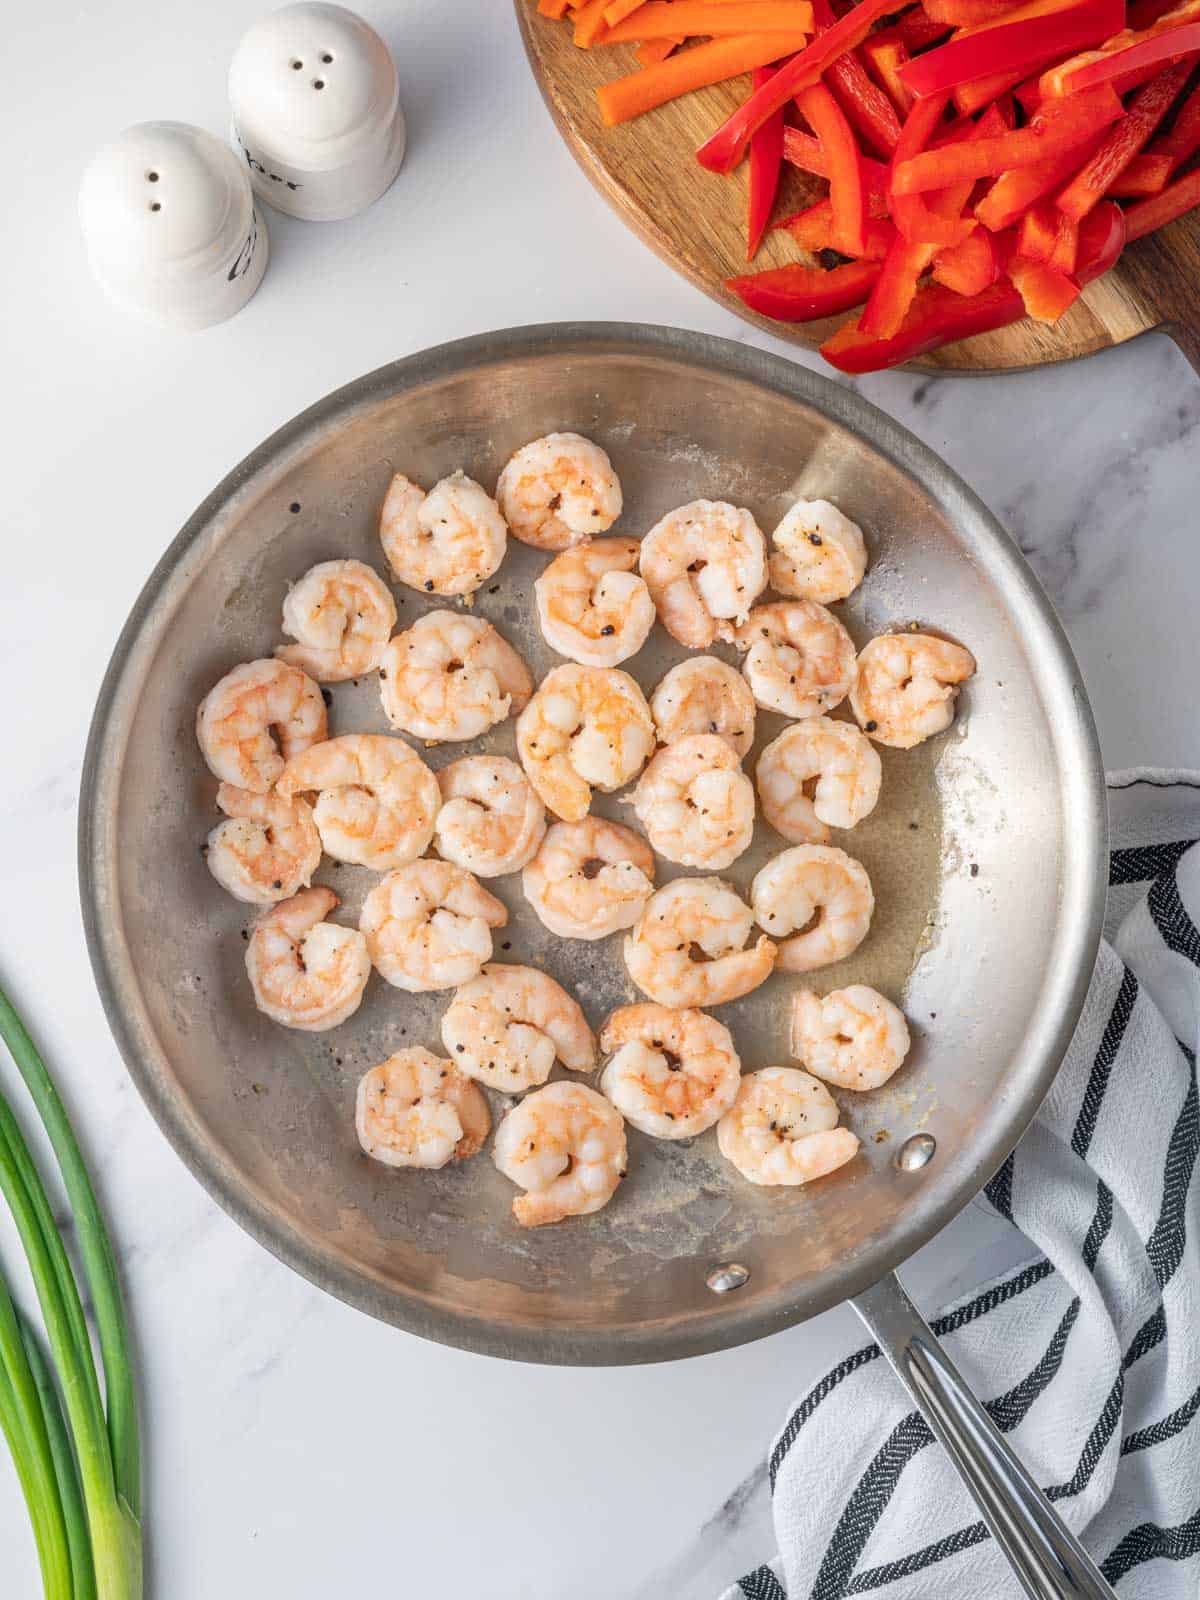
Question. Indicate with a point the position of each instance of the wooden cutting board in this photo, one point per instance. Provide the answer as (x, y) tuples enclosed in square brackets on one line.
[(647, 171)]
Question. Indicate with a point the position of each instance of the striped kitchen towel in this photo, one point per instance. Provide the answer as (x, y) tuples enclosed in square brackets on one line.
[(1089, 1354)]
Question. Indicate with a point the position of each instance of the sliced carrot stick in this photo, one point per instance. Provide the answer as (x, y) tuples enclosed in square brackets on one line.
[(617, 10), (553, 8), (658, 19), (654, 51), (707, 63), (589, 23)]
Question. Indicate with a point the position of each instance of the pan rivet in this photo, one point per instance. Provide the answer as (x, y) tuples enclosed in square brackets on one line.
[(730, 1275), (916, 1152)]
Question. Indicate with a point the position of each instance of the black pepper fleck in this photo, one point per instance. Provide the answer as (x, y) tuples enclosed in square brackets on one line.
[(974, 869), (428, 585), (815, 538), (870, 726)]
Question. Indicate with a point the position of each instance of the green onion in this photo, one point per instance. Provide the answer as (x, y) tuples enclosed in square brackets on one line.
[(76, 1450)]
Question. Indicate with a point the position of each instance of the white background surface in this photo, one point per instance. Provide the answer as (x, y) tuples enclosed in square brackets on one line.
[(294, 1447)]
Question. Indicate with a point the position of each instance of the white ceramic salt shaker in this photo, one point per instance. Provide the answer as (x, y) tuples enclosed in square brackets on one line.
[(316, 111), (170, 224)]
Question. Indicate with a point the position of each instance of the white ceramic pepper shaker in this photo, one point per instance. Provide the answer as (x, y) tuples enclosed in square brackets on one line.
[(170, 224), (316, 111)]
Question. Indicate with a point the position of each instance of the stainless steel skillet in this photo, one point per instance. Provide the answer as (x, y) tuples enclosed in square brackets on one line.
[(987, 854)]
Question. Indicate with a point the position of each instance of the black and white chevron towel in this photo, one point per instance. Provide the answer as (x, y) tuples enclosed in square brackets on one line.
[(1088, 1355)]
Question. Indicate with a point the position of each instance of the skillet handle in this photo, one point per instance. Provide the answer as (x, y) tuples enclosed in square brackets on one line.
[(1044, 1554)]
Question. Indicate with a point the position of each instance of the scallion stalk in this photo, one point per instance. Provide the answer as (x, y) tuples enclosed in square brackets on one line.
[(79, 1465)]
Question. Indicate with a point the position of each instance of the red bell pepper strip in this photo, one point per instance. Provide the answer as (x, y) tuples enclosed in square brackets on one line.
[(980, 92), (726, 147), (813, 229), (1052, 130), (1048, 294), (914, 217), (1047, 235), (895, 287), (1012, 44), (1038, 233), (968, 13), (1065, 255), (939, 316), (1178, 197), (1014, 192), (847, 191), (766, 162), (867, 108), (936, 317), (1174, 34), (805, 294), (918, 30), (1031, 96), (1123, 141), (1150, 172), (1182, 138), (1145, 174), (972, 266), (885, 53), (910, 256), (802, 150)]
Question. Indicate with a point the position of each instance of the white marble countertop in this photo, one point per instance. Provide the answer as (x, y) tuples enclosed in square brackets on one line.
[(294, 1446)]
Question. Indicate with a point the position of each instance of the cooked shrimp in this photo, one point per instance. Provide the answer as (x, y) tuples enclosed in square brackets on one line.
[(266, 850), (819, 554), (704, 564), (905, 687), (673, 1074), (342, 614), (704, 695), (852, 1037), (586, 728), (451, 677), (491, 821), (559, 490), (429, 926), (799, 658), (255, 718), (592, 605), (815, 902), (706, 913), (564, 1145), (817, 774), (305, 972), (783, 1129), (416, 1110), (448, 541), (695, 802), (377, 799), (589, 878), (509, 1026)]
